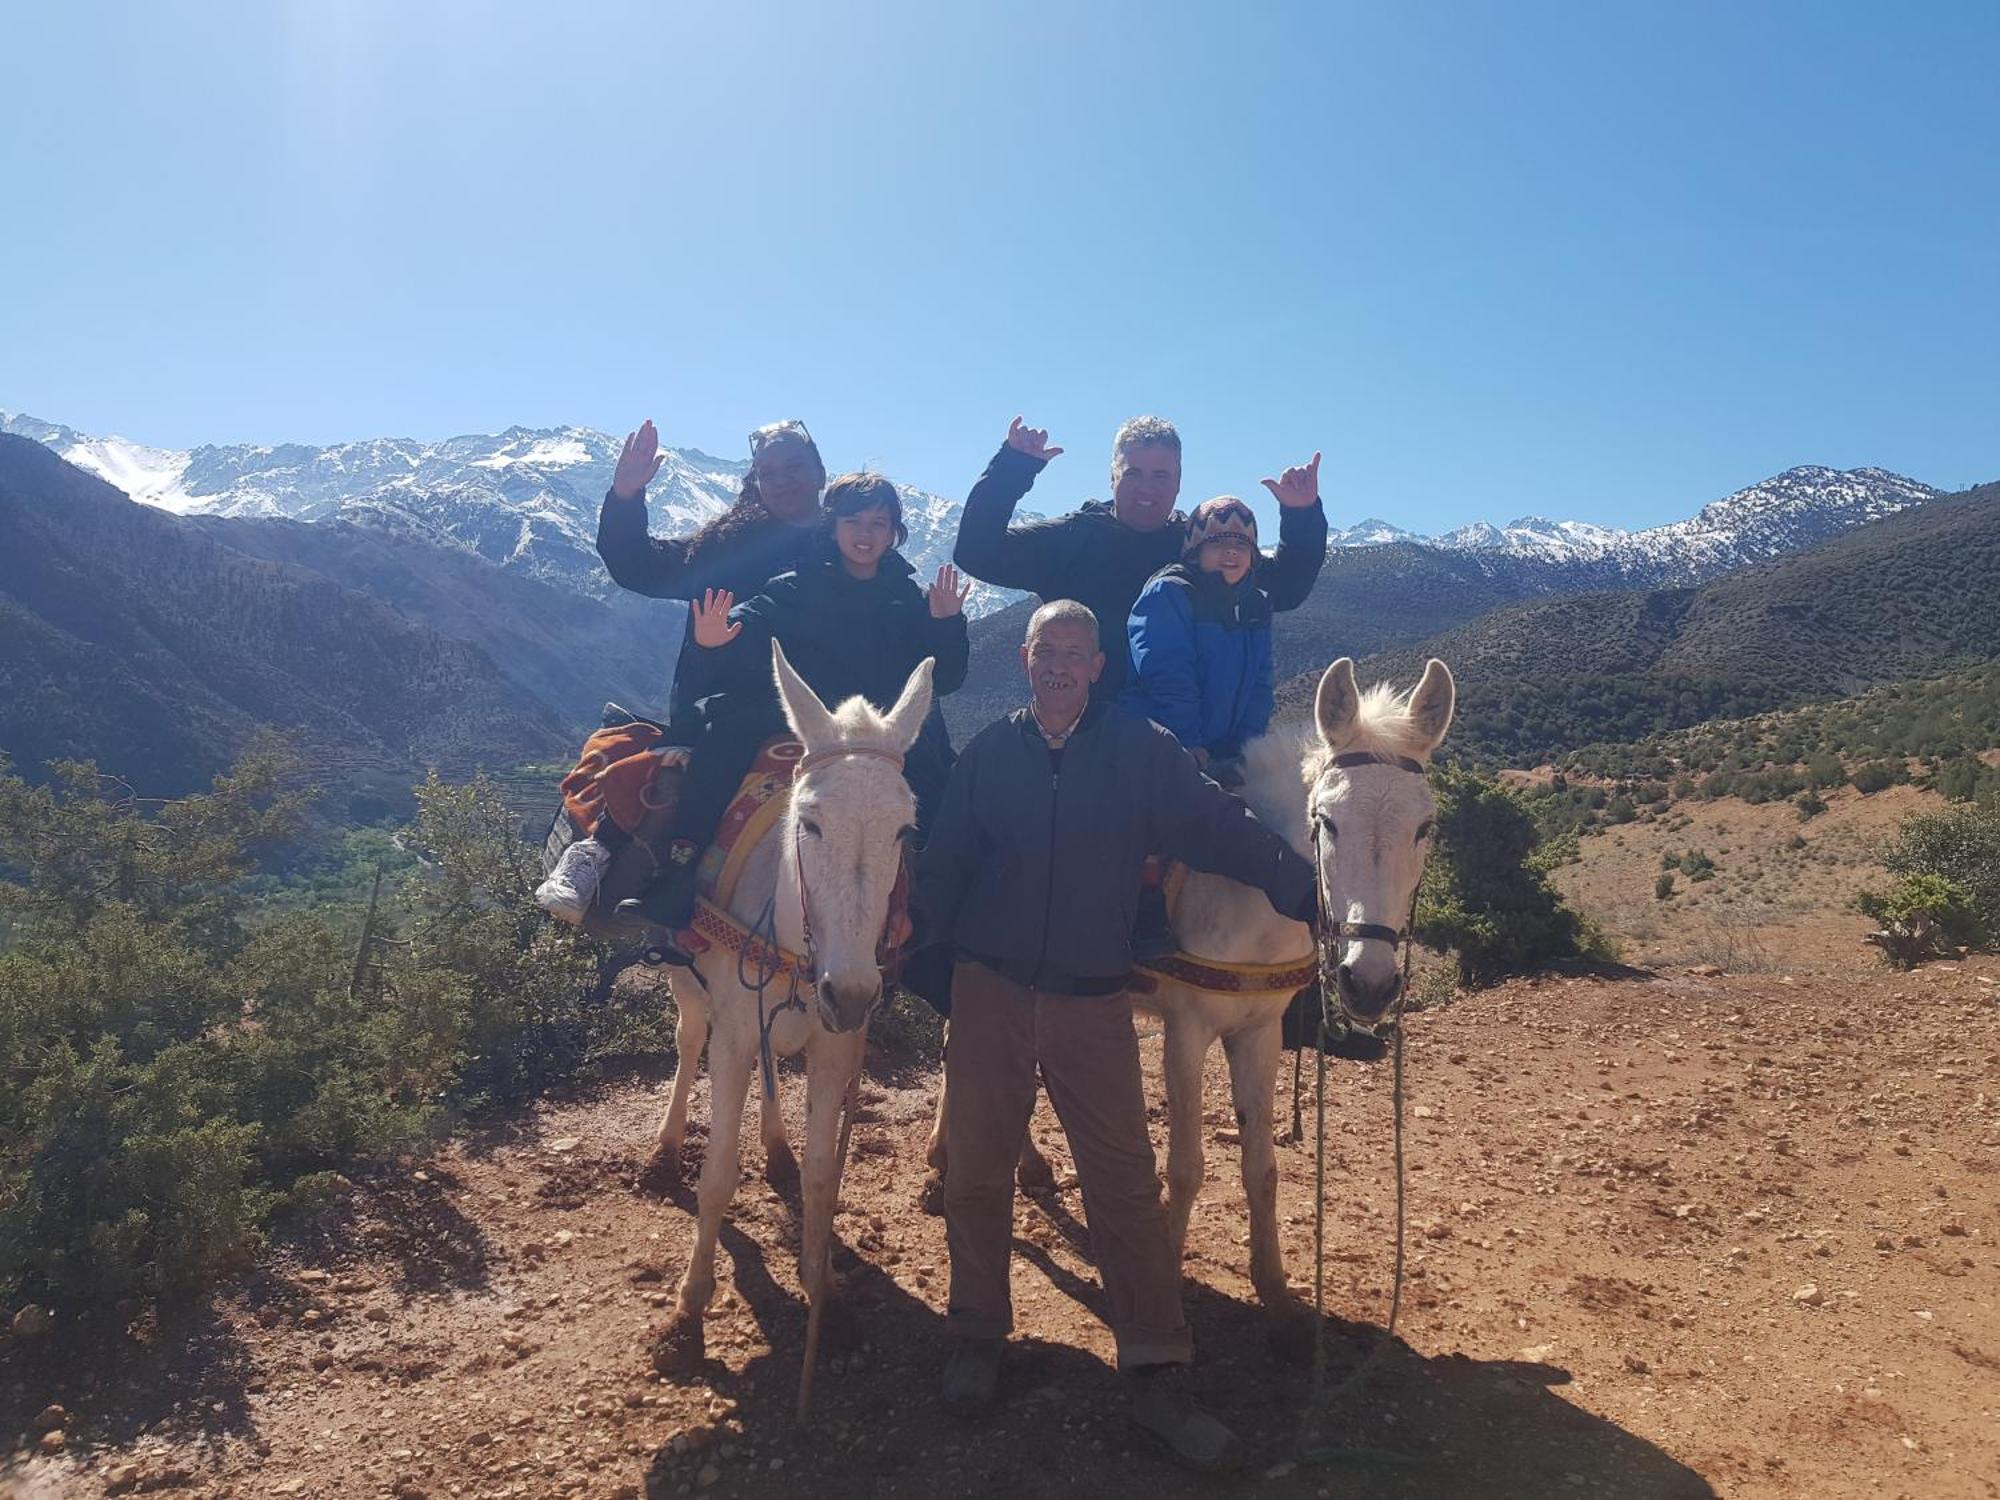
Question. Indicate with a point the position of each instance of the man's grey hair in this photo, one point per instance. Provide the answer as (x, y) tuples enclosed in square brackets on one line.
[(1138, 432), (1064, 612)]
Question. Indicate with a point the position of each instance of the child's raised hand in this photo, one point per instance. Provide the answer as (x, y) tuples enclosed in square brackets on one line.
[(712, 625), (946, 594), (1297, 486)]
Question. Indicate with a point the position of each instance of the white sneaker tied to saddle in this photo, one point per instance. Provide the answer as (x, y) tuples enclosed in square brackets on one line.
[(572, 884)]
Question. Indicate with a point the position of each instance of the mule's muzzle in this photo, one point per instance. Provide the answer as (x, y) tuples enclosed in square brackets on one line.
[(1364, 1000), (847, 1007)]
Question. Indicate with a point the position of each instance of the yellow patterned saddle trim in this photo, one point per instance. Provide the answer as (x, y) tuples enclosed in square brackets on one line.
[(1285, 979), (715, 928)]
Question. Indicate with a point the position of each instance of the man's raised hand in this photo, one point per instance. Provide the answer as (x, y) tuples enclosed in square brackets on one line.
[(638, 461), (946, 594), (712, 625), (1033, 441), (1297, 486)]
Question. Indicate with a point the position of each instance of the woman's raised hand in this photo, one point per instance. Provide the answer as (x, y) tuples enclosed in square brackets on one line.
[(1033, 441), (638, 462), (712, 625), (1297, 486), (946, 594)]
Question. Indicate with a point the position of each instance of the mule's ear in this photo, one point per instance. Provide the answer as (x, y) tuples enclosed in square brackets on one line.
[(1337, 702), (1432, 703), (803, 711), (906, 720)]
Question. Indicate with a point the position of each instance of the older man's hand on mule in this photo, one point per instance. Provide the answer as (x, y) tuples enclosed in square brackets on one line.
[(1297, 487), (1033, 441), (638, 461), (712, 625)]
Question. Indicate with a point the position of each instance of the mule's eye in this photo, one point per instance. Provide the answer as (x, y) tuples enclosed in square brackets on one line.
[(1426, 828), (807, 825), (1326, 822)]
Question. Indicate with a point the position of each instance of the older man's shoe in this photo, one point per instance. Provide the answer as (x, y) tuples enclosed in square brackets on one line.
[(1162, 1409), (972, 1377)]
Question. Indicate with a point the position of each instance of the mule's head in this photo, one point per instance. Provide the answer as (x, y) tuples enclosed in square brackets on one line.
[(850, 814), (1373, 816)]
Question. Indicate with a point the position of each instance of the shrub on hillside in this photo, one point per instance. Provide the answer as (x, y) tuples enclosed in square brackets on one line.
[(1922, 916), (1874, 777), (178, 1060), (1483, 896), (1960, 844)]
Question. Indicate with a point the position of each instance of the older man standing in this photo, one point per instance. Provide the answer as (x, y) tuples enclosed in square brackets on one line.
[(1102, 554), (1032, 873)]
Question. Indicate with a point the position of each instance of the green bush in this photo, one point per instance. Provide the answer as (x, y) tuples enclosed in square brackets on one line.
[(180, 1057), (1664, 886), (1922, 916), (1483, 896), (1810, 805), (1874, 777), (1959, 844)]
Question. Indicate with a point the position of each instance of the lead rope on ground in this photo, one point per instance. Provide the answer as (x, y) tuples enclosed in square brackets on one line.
[(1309, 1450)]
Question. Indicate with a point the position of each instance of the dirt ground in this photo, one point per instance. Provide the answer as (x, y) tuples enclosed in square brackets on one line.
[(1672, 1235)]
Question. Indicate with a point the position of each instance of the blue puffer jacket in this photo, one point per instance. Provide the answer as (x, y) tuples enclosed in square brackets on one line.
[(1201, 659)]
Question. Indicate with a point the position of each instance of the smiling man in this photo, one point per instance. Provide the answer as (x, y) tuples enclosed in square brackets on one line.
[(1032, 874)]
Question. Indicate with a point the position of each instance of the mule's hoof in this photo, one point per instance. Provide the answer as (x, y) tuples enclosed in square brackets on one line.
[(781, 1168), (662, 1172), (930, 1196), (1289, 1335), (1035, 1174), (678, 1348)]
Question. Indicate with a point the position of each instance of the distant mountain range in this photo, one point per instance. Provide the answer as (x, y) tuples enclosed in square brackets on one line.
[(484, 545), (526, 499), (1912, 595)]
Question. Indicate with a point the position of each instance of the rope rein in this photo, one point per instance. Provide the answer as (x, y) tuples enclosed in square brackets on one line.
[(1331, 938)]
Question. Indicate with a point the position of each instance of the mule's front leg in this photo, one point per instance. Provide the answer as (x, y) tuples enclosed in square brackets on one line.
[(832, 1062), (679, 1347), (1254, 1053), (662, 1170), (1186, 1045)]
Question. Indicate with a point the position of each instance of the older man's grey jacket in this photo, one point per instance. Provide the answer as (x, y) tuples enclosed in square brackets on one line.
[(1035, 859)]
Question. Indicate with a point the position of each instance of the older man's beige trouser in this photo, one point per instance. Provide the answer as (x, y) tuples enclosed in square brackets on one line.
[(1089, 1060)]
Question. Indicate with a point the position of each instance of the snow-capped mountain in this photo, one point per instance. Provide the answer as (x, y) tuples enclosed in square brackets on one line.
[(526, 498), (1782, 514)]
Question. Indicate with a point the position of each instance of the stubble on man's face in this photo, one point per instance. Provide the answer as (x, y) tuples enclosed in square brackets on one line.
[(1147, 483)]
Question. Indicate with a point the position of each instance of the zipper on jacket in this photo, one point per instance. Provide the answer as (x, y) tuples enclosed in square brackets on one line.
[(1049, 884)]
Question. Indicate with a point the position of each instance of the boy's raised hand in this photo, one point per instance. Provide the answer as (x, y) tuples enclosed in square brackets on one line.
[(1033, 441), (712, 625), (1297, 486), (638, 461), (946, 594)]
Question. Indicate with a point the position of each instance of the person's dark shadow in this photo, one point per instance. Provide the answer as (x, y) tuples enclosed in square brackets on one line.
[(1411, 1426)]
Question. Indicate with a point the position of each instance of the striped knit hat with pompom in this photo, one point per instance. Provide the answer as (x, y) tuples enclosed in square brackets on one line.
[(1223, 518)]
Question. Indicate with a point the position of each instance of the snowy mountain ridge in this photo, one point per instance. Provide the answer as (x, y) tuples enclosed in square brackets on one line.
[(528, 497)]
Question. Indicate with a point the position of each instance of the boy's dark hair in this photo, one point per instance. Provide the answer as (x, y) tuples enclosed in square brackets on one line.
[(851, 494)]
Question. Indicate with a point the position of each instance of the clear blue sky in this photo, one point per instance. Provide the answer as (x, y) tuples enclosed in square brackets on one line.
[(1598, 260)]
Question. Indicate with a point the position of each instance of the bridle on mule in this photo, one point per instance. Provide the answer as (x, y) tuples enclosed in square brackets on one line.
[(1335, 933), (769, 958)]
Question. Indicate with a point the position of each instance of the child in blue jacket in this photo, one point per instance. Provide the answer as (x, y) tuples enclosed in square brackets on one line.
[(1201, 658)]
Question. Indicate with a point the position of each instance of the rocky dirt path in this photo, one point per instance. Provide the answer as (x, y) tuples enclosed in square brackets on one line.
[(1672, 1236)]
